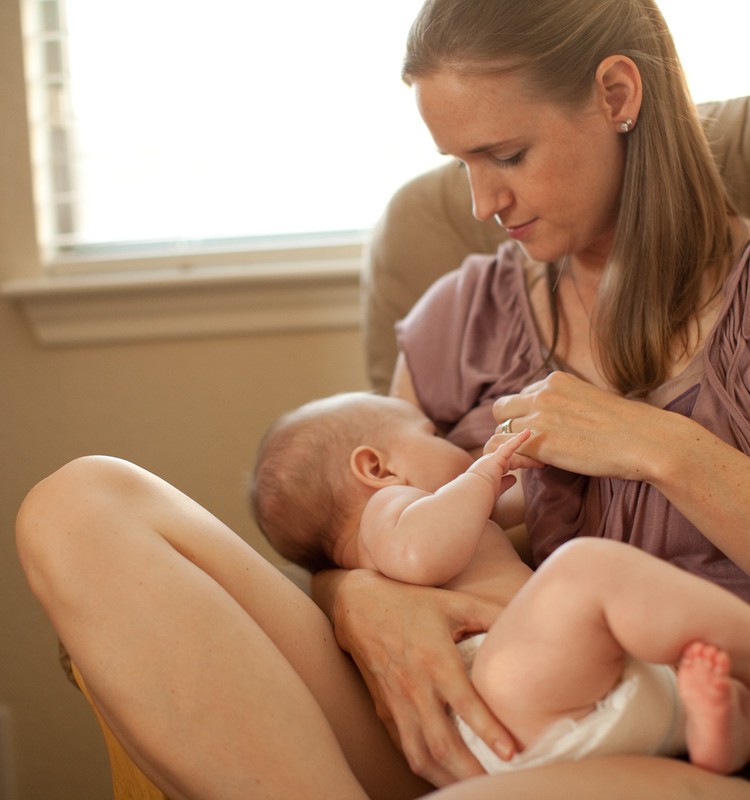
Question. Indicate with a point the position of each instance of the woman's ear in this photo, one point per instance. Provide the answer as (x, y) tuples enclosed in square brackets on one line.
[(369, 466), (620, 89)]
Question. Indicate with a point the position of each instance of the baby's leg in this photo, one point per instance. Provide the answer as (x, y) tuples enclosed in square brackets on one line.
[(221, 679), (547, 656), (559, 645), (717, 709)]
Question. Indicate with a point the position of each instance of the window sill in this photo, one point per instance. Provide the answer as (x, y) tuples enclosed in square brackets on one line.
[(188, 302)]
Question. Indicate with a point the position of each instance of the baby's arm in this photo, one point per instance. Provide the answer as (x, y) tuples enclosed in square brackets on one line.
[(418, 537)]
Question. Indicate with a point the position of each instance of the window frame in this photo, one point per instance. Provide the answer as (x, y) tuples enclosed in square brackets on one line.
[(255, 286), (73, 299)]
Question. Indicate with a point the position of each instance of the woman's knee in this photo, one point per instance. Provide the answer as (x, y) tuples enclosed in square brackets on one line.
[(56, 516)]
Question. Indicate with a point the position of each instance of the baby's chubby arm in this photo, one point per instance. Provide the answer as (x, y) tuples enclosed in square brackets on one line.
[(428, 538)]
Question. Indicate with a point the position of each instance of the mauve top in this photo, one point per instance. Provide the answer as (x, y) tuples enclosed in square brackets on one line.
[(472, 337)]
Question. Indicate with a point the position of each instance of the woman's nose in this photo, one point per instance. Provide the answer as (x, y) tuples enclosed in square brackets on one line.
[(489, 197)]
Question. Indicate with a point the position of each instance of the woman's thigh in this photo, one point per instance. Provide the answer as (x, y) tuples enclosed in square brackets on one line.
[(179, 625), (614, 778)]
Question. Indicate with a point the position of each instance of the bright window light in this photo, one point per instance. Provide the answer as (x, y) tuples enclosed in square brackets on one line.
[(712, 42), (196, 121), (187, 121)]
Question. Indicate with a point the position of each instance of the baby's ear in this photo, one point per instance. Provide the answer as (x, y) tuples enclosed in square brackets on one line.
[(369, 466)]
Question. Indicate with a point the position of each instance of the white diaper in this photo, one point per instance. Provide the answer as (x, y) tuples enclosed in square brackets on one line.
[(641, 715)]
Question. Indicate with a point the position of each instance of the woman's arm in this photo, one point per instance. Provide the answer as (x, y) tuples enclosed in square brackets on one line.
[(413, 669), (581, 428)]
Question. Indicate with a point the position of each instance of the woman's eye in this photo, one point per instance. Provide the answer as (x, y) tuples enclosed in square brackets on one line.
[(508, 161)]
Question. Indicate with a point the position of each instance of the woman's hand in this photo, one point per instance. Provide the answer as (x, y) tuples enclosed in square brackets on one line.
[(584, 429), (579, 427), (403, 638)]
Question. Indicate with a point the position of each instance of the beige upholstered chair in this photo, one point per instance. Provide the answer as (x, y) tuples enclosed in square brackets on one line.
[(427, 230)]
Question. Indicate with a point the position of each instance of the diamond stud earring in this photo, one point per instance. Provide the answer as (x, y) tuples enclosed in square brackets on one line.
[(625, 126)]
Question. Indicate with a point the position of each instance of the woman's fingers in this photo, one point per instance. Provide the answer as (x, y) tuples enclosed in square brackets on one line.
[(582, 428), (513, 412), (426, 733), (403, 641)]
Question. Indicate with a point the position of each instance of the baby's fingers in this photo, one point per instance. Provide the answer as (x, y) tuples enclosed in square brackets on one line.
[(503, 448), (509, 447)]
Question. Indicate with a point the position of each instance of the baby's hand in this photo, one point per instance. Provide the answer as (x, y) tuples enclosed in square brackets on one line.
[(494, 466)]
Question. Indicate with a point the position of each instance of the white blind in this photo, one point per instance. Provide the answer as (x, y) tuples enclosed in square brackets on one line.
[(182, 122)]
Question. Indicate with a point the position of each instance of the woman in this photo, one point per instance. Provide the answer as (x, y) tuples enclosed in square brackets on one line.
[(579, 136), (221, 679)]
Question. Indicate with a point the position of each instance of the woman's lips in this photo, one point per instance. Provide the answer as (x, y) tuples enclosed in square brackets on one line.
[(520, 231)]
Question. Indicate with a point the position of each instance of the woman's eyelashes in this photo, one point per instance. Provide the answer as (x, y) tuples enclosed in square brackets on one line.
[(502, 161), (508, 161)]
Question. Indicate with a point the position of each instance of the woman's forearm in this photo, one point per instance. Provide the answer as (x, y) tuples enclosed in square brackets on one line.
[(708, 481), (325, 587)]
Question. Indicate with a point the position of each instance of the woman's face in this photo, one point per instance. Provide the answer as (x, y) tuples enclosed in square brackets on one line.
[(552, 178)]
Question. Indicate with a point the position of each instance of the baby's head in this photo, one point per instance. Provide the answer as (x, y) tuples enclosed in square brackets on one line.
[(319, 465), (303, 493)]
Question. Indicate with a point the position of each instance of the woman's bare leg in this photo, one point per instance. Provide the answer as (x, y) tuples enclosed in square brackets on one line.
[(220, 677), (559, 646), (141, 618), (613, 778)]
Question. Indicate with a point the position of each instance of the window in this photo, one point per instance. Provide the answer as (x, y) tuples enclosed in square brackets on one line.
[(712, 43), (181, 124), (184, 126), (176, 142)]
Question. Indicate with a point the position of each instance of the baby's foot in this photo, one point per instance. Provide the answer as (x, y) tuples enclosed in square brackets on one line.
[(716, 707)]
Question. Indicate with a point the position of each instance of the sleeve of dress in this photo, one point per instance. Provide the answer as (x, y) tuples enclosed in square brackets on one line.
[(724, 406), (468, 340)]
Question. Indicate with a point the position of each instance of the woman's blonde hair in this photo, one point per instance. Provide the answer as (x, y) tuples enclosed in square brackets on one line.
[(674, 219)]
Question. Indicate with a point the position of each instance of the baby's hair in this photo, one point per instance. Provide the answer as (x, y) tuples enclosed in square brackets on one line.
[(302, 482)]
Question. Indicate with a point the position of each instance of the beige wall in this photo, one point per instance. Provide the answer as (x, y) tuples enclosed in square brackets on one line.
[(190, 410)]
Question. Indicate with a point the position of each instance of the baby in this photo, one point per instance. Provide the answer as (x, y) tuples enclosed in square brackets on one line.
[(580, 661)]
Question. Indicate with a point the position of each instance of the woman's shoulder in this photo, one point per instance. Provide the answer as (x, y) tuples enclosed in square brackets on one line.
[(486, 283), (509, 261), (484, 293), (741, 248), (471, 338)]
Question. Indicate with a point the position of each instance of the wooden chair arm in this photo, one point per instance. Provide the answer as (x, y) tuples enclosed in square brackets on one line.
[(128, 782)]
